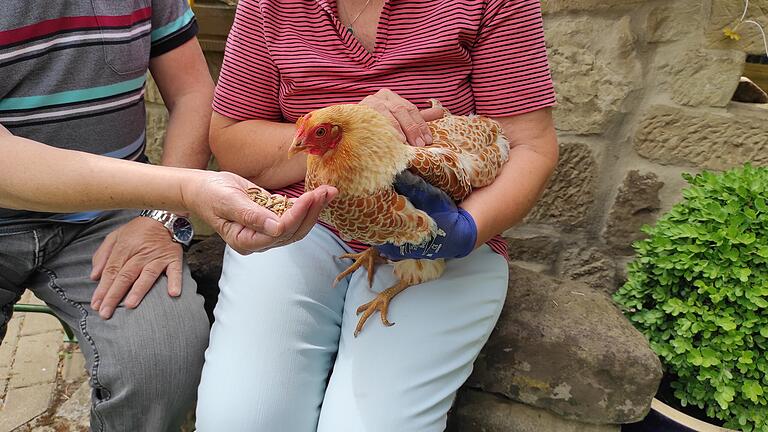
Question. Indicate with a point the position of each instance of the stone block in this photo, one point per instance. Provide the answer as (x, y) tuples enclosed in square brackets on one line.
[(700, 138), (8, 345), (726, 13), (157, 121), (24, 404), (590, 265), (36, 323), (637, 203), (29, 298), (152, 93), (682, 19), (77, 409), (595, 69), (700, 77), (552, 6), (571, 191), (562, 346), (536, 246), (476, 411), (36, 360), (73, 366)]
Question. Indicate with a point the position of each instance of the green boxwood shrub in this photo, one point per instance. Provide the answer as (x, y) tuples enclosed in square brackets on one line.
[(698, 289)]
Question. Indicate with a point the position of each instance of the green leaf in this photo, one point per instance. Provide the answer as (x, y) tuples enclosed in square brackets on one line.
[(752, 390), (725, 322), (709, 357), (724, 396)]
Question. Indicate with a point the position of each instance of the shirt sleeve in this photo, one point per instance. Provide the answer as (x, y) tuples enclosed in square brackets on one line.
[(510, 72), (173, 23), (249, 81)]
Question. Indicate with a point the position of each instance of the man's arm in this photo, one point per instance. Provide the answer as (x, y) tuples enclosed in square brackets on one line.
[(184, 82), (78, 181)]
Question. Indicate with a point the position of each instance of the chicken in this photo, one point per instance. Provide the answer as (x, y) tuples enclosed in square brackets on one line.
[(356, 149)]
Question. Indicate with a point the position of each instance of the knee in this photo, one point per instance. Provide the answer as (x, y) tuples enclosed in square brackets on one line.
[(160, 357)]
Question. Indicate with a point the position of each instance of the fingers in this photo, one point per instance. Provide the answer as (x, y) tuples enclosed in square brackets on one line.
[(173, 272), (411, 123), (306, 209), (380, 105), (135, 257), (431, 114), (246, 226), (110, 270), (113, 286), (255, 217), (246, 230), (136, 292), (101, 255), (323, 196), (404, 115)]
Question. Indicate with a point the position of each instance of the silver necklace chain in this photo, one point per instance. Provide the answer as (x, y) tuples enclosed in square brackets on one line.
[(351, 23)]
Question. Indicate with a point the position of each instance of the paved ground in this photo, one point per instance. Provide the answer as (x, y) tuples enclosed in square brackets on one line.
[(43, 384)]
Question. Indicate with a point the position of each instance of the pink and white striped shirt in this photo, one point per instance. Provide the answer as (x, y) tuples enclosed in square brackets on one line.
[(285, 58)]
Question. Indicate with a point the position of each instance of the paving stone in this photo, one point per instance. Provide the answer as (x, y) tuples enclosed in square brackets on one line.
[(24, 404), (36, 323), (73, 367), (8, 345), (36, 360), (3, 387), (77, 408), (29, 298)]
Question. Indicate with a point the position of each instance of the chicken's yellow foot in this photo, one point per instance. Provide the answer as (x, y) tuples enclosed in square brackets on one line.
[(366, 258), (381, 304)]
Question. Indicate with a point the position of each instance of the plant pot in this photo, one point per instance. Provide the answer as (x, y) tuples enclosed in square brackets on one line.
[(664, 418)]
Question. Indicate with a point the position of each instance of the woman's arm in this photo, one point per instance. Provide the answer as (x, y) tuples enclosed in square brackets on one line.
[(257, 150), (532, 159)]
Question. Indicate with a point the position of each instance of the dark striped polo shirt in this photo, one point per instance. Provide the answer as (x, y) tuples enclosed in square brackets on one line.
[(74, 73), (285, 58)]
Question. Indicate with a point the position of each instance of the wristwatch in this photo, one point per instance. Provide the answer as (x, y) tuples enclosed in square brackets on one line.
[(180, 228)]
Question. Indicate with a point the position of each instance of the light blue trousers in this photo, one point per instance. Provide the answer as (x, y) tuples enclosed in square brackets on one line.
[(283, 358)]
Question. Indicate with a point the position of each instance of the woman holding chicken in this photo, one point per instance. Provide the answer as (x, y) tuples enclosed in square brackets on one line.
[(282, 355)]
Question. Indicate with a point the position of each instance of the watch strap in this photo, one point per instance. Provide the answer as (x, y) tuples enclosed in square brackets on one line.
[(166, 218)]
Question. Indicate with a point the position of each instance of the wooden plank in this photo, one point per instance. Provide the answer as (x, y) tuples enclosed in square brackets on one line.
[(214, 20), (757, 73)]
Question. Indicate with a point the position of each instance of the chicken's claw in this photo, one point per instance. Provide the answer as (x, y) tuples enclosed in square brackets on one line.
[(381, 304), (366, 258)]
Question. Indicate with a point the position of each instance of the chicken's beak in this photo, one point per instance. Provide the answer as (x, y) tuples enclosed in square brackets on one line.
[(297, 146)]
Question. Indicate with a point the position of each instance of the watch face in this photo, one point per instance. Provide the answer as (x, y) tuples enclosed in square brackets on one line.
[(182, 230)]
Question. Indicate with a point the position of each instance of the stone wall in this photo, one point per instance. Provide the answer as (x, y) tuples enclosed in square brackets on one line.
[(644, 94)]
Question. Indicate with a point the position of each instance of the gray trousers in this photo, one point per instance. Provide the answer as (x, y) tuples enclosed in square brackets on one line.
[(145, 363)]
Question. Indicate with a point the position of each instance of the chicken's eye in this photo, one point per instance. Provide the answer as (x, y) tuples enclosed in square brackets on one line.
[(320, 132)]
